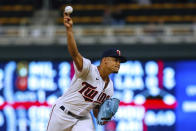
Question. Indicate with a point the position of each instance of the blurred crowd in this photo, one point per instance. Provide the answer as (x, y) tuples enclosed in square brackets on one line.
[(110, 12)]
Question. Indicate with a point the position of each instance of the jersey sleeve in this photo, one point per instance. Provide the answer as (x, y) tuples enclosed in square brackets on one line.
[(85, 69)]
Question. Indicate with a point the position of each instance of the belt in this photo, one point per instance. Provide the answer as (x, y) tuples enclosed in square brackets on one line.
[(72, 114)]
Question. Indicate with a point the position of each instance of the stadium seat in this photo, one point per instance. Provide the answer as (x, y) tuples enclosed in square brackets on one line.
[(134, 13), (16, 12)]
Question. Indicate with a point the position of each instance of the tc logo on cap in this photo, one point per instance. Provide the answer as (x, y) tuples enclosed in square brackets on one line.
[(118, 52)]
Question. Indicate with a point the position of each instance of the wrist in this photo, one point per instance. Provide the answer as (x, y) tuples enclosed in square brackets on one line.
[(69, 30)]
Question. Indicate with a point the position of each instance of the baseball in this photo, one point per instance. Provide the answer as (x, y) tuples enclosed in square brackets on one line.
[(68, 9)]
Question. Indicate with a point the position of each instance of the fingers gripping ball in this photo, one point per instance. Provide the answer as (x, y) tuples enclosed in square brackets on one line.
[(68, 9), (107, 110)]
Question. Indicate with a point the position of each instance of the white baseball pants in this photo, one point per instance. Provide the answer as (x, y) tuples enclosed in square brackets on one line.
[(60, 121)]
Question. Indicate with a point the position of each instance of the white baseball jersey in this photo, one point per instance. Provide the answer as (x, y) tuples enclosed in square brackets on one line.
[(86, 90)]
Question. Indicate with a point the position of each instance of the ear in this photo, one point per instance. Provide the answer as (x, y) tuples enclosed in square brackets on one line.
[(104, 60)]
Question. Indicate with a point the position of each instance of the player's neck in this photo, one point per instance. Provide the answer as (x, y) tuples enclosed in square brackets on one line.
[(103, 73)]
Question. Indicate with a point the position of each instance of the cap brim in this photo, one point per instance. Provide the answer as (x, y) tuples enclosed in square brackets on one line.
[(122, 59)]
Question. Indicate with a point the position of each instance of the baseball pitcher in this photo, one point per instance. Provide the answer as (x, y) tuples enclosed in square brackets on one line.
[(89, 88)]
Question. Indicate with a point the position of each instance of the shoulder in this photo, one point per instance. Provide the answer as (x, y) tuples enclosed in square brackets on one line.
[(86, 60), (85, 68), (91, 69), (94, 68)]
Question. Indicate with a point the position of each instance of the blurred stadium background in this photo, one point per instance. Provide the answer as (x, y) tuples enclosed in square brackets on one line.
[(157, 86)]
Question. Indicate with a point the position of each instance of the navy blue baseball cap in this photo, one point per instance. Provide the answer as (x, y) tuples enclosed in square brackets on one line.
[(114, 53)]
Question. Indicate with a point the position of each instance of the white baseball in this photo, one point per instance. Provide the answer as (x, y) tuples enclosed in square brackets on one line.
[(68, 9)]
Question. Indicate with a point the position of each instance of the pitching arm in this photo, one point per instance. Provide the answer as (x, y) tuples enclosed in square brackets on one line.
[(71, 43)]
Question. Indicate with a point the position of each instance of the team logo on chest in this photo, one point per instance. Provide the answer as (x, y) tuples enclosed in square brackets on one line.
[(88, 92)]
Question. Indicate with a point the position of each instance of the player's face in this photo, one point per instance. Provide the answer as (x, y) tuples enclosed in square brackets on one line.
[(113, 64)]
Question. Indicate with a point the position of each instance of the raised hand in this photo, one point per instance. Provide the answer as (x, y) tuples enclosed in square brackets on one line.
[(67, 21)]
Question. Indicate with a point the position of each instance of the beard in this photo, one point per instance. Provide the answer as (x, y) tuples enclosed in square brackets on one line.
[(115, 72)]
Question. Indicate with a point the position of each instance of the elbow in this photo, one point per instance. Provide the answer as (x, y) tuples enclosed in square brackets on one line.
[(78, 61), (74, 54)]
